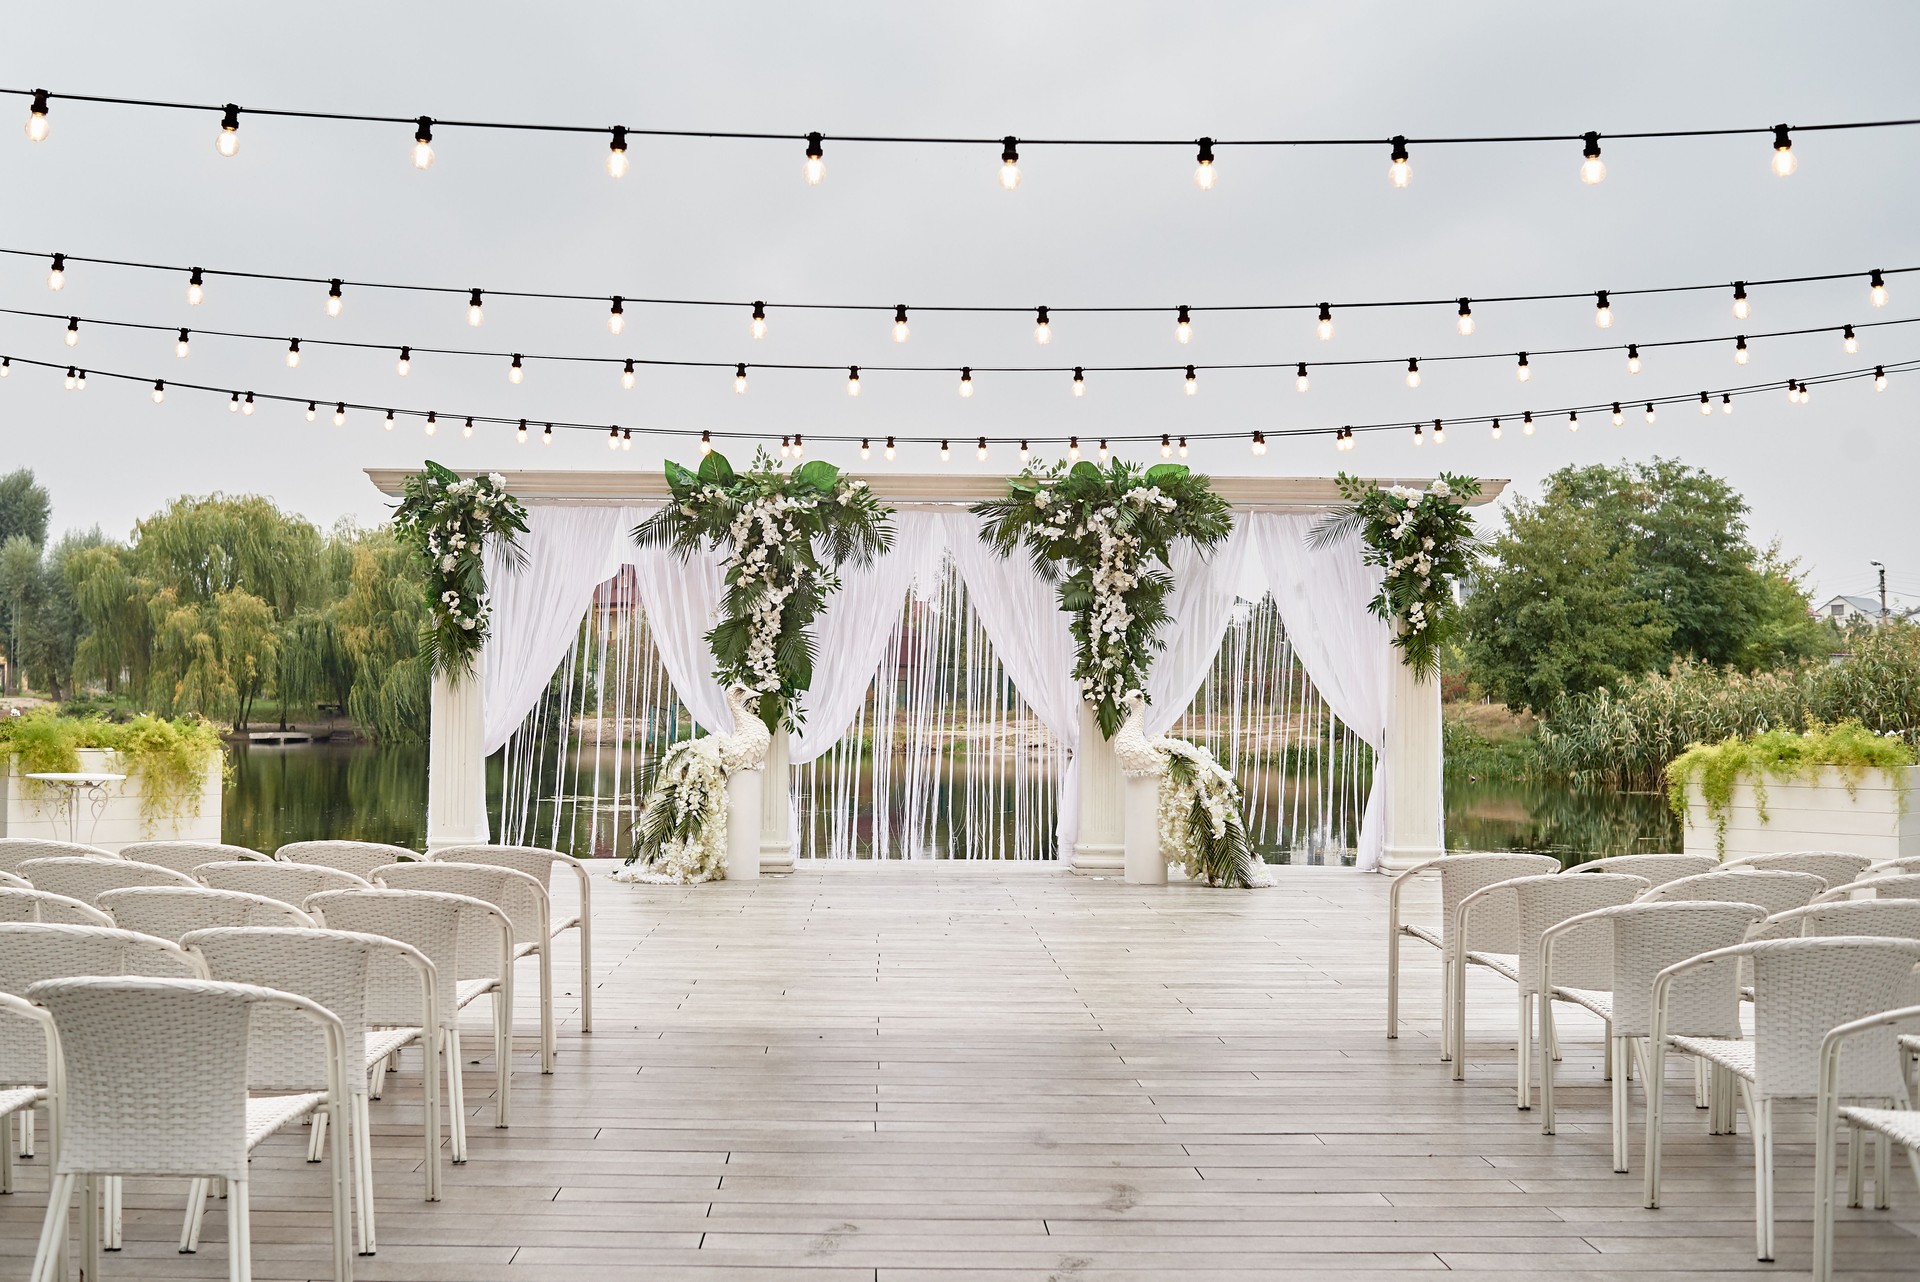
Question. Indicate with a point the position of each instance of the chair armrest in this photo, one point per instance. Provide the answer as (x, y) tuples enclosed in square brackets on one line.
[(1835, 1039)]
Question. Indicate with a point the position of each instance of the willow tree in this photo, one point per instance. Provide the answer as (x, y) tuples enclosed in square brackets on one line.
[(377, 625)]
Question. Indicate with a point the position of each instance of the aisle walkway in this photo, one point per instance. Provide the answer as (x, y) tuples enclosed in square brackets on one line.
[(922, 1073)]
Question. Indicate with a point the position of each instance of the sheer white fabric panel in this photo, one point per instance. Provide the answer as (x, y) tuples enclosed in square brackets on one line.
[(1322, 595), (537, 608), (1201, 605), (682, 603)]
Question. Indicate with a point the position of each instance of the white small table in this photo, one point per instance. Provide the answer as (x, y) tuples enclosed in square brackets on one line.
[(73, 785)]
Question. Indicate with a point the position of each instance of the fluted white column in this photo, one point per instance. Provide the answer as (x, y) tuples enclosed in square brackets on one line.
[(1146, 861), (744, 796), (1413, 798), (1101, 848), (456, 768), (776, 808)]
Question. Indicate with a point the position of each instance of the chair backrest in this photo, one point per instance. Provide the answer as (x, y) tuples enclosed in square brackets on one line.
[(535, 861), (1907, 863), (15, 851), (1495, 924), (84, 878), (432, 923), (31, 952), (1658, 869), (519, 896), (1884, 918), (357, 857), (1897, 886), (17, 883), (330, 967), (1775, 892), (289, 883), (171, 912), (1583, 957), (155, 1073), (1803, 988), (185, 856), (45, 906), (1648, 938), (1835, 867)]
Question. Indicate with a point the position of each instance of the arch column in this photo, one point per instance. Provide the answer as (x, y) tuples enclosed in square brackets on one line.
[(1101, 847), (456, 768), (776, 808), (1413, 802)]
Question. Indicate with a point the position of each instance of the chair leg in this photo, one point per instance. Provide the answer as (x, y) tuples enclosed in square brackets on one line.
[(190, 1223), (456, 1094), (239, 1234), (430, 1122), (1446, 1009), (1823, 1197), (6, 1164), (360, 1152), (90, 1193), (1760, 1122), (27, 1130), (1546, 1068), (1882, 1171), (1856, 1146), (1656, 1081), (342, 1214), (586, 979), (1523, 1054), (1606, 1061), (53, 1231), (502, 1055), (548, 1047), (1621, 1097), (317, 1138), (1457, 1023), (1702, 1090)]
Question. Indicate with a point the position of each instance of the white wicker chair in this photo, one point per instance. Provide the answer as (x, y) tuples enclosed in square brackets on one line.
[(185, 856), (1540, 903), (84, 878), (1886, 918), (1910, 863), (1890, 1125), (1657, 869), (1647, 938), (154, 1078), (1886, 886), (1803, 988), (11, 882), (1460, 876), (15, 851), (334, 968), (287, 882), (171, 912), (539, 863), (1835, 867), (45, 906), (1775, 891), (357, 857), (521, 897), (21, 1018), (469, 943)]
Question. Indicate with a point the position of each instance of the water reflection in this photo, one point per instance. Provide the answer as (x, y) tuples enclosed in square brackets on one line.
[(1576, 824)]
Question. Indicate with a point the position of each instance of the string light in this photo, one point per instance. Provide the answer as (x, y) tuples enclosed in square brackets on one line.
[(1741, 310), (1848, 343), (1400, 172), (476, 313), (617, 153), (1183, 447), (293, 353), (1726, 402), (1465, 323), (627, 375), (1418, 438), (246, 406), (1602, 310), (888, 451), (1300, 377), (799, 445), (1079, 381), (159, 391), (1879, 378), (37, 128), (1025, 453), (866, 448), (432, 423), (815, 169), (1877, 288), (181, 344), (1783, 162), (1496, 429), (1203, 175), (613, 440), (706, 441), (853, 380), (6, 366), (520, 433), (617, 316), (546, 437), (1259, 443), (1526, 423), (227, 143), (1193, 382), (1523, 371), (1573, 420), (1649, 411), (1740, 350), (80, 382), (333, 297), (966, 381), (516, 371), (1413, 371), (1009, 163), (196, 288), (1706, 406), (233, 401), (1633, 358), (404, 366), (1618, 417), (340, 415), (980, 450), (900, 329), (1102, 452), (740, 379), (1182, 325), (1324, 326), (1073, 449), (1439, 432), (1593, 170), (423, 143), (1166, 445), (757, 326), (73, 331), (1042, 327)]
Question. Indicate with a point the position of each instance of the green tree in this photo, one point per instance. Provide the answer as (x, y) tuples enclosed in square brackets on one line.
[(116, 644), (24, 507), (43, 622), (378, 625)]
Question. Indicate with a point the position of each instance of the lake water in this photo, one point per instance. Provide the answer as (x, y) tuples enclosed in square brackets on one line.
[(368, 792)]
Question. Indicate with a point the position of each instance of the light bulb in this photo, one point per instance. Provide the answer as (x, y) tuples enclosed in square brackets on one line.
[(1182, 326), (1726, 403), (1419, 438), (1073, 449), (1413, 372), (853, 380), (626, 375), (1526, 423), (546, 438), (233, 401), (1465, 323), (1300, 381), (1203, 174), (423, 144), (520, 433), (227, 141), (613, 438), (1633, 358), (1877, 288), (900, 329), (1618, 417), (1183, 447), (1042, 327), (57, 274), (1573, 420), (313, 411), (1101, 453), (293, 353), (515, 371), (888, 451), (945, 453), (6, 366), (340, 414), (1024, 453), (1602, 310), (617, 153), (1400, 172), (1496, 429), (1740, 308), (1783, 162), (1740, 350), (1806, 393), (1879, 378), (196, 288), (626, 438), (159, 391), (740, 379), (1706, 405), (866, 448), (816, 166), (1009, 164), (476, 313), (1593, 170), (1848, 342), (1439, 432), (73, 331), (1325, 326), (706, 441), (180, 344), (1079, 381), (388, 421), (966, 380), (758, 325), (1193, 384), (77, 380), (1523, 371), (246, 406), (404, 366), (616, 316), (37, 117), (333, 298), (1259, 443), (1649, 411), (1166, 446)]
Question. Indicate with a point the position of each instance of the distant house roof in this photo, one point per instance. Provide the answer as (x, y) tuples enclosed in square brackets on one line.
[(1858, 604)]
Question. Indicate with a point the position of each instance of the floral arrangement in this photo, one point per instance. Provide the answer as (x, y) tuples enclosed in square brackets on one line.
[(1112, 528), (681, 835), (1850, 748), (1425, 542), (1199, 822), (447, 521), (787, 534)]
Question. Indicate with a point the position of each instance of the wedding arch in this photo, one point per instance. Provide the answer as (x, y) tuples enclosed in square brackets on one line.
[(578, 538)]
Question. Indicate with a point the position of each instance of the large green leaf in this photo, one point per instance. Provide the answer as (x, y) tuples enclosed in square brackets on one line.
[(1086, 472), (715, 470), (818, 473), (1166, 472), (680, 481)]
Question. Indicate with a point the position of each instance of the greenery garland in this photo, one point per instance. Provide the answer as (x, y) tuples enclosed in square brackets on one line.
[(446, 521), (169, 758), (1716, 768), (1113, 529), (787, 534), (1425, 541)]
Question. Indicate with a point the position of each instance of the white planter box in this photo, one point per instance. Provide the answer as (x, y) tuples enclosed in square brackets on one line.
[(1820, 815), (29, 810)]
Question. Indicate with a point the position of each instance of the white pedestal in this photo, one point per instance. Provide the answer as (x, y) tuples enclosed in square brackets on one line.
[(1101, 848), (1414, 765), (743, 825), (456, 768), (1146, 863), (776, 808)]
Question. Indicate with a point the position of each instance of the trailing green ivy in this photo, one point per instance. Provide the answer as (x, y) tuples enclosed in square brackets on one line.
[(169, 758), (1716, 768)]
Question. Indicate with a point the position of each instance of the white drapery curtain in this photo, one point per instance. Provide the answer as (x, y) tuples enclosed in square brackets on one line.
[(1201, 605), (681, 600), (1322, 595)]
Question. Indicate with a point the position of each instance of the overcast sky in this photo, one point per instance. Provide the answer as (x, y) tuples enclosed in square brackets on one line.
[(1833, 479)]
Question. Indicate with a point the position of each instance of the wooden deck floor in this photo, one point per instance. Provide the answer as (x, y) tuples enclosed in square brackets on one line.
[(932, 1072)]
